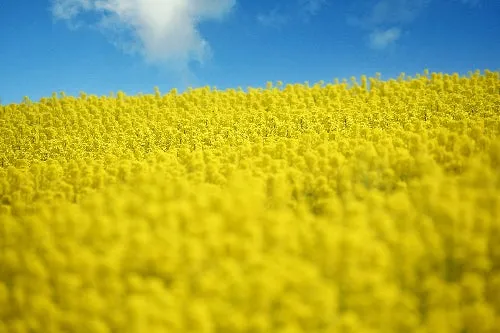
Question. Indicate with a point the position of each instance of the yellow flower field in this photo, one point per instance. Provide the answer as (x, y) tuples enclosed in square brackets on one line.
[(364, 206)]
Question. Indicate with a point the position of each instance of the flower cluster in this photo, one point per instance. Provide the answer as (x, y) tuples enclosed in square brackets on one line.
[(345, 207)]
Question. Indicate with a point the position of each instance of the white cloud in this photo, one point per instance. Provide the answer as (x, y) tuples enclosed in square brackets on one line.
[(380, 39), (162, 31)]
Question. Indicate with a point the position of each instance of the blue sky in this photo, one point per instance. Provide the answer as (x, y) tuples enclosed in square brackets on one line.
[(105, 46)]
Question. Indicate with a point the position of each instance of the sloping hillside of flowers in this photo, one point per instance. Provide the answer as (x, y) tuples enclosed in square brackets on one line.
[(369, 206)]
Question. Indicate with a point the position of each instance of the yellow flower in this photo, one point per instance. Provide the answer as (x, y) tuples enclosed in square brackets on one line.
[(362, 207)]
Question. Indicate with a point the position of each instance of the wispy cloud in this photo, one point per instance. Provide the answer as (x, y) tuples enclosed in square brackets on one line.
[(472, 3), (300, 10), (273, 18), (162, 31), (385, 12), (311, 7), (380, 39), (384, 19)]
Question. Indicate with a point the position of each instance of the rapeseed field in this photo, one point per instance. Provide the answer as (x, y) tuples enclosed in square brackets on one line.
[(370, 206)]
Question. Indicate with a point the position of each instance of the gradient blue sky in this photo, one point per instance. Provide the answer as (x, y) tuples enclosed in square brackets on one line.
[(133, 45)]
